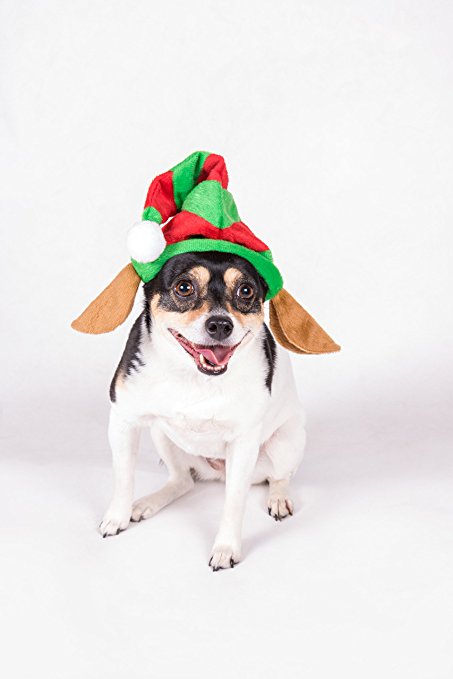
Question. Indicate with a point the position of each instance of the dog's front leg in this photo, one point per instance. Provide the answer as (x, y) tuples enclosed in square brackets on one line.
[(241, 457), (124, 439)]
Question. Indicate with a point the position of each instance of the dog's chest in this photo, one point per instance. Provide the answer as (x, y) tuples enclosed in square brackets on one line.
[(197, 437), (199, 421), (199, 414)]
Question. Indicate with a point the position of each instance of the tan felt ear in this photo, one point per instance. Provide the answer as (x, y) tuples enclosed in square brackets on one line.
[(112, 306), (295, 329)]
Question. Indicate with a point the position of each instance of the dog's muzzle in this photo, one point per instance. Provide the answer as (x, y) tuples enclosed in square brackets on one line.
[(210, 359)]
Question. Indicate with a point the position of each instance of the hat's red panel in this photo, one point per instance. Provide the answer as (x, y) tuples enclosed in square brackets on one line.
[(214, 168), (161, 196), (187, 225)]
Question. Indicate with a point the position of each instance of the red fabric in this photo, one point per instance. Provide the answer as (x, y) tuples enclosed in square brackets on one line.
[(160, 196), (214, 168), (186, 225)]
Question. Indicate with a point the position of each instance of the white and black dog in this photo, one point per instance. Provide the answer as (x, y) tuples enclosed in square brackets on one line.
[(202, 371)]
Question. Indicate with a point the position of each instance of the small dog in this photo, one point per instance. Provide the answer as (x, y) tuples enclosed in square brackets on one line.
[(203, 372)]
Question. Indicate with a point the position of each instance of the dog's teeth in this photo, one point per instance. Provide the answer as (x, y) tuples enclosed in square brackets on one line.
[(202, 361)]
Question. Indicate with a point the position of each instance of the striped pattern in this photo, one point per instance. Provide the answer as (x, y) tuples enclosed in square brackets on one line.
[(198, 213)]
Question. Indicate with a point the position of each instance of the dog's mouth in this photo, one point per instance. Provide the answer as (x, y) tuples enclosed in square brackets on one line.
[(210, 359)]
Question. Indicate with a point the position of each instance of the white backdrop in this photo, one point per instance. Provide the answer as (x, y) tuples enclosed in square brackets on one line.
[(336, 119)]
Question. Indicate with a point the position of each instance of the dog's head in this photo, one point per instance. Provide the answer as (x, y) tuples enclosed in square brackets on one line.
[(210, 304)]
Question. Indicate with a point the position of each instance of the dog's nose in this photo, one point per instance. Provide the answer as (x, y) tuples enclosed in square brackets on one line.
[(219, 327)]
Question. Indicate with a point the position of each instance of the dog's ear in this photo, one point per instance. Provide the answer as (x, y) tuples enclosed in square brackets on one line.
[(112, 306), (295, 329)]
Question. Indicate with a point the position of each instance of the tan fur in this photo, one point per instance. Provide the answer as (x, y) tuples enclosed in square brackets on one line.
[(202, 276), (154, 304), (185, 318), (192, 315), (120, 380), (231, 277), (247, 319), (295, 329), (112, 306)]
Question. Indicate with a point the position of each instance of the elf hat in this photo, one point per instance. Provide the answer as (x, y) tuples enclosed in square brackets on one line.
[(198, 214)]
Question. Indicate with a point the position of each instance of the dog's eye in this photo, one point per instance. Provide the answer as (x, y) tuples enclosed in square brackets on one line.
[(184, 288), (245, 291)]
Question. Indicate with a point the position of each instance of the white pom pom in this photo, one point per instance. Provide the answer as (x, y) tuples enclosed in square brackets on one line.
[(145, 241)]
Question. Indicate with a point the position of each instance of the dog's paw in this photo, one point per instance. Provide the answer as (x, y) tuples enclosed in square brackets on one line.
[(223, 556), (144, 508), (279, 507), (114, 522)]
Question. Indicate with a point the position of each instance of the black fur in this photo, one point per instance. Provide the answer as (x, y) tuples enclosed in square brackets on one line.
[(147, 315), (131, 359), (270, 351)]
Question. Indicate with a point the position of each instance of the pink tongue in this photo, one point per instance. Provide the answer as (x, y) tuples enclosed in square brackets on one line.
[(217, 355)]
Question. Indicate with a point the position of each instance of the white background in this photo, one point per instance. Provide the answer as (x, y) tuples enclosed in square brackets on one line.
[(335, 119)]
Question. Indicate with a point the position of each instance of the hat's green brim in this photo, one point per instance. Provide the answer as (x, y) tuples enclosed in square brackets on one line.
[(262, 261)]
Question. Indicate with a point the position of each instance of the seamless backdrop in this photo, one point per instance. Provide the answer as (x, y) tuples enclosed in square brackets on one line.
[(335, 122)]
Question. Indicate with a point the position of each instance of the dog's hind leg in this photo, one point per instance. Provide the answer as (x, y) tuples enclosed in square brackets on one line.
[(180, 479), (284, 450)]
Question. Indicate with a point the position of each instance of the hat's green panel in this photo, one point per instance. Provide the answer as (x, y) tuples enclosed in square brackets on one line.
[(185, 175), (262, 261), (212, 202)]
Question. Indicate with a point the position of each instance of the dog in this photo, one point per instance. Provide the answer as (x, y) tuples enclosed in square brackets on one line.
[(202, 371)]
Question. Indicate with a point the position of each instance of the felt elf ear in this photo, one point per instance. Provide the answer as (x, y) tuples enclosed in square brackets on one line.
[(112, 306), (295, 329)]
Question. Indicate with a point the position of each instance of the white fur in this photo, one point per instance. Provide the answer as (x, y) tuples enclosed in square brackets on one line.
[(193, 416), (145, 241)]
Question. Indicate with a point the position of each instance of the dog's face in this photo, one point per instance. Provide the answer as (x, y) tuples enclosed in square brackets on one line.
[(210, 304)]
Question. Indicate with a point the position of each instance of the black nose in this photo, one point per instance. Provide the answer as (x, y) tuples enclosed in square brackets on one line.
[(219, 327)]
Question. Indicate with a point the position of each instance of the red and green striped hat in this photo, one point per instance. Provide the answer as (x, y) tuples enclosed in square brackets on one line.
[(199, 215)]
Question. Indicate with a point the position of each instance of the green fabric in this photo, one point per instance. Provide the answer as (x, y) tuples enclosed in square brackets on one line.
[(185, 175), (212, 202), (152, 215), (262, 261)]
